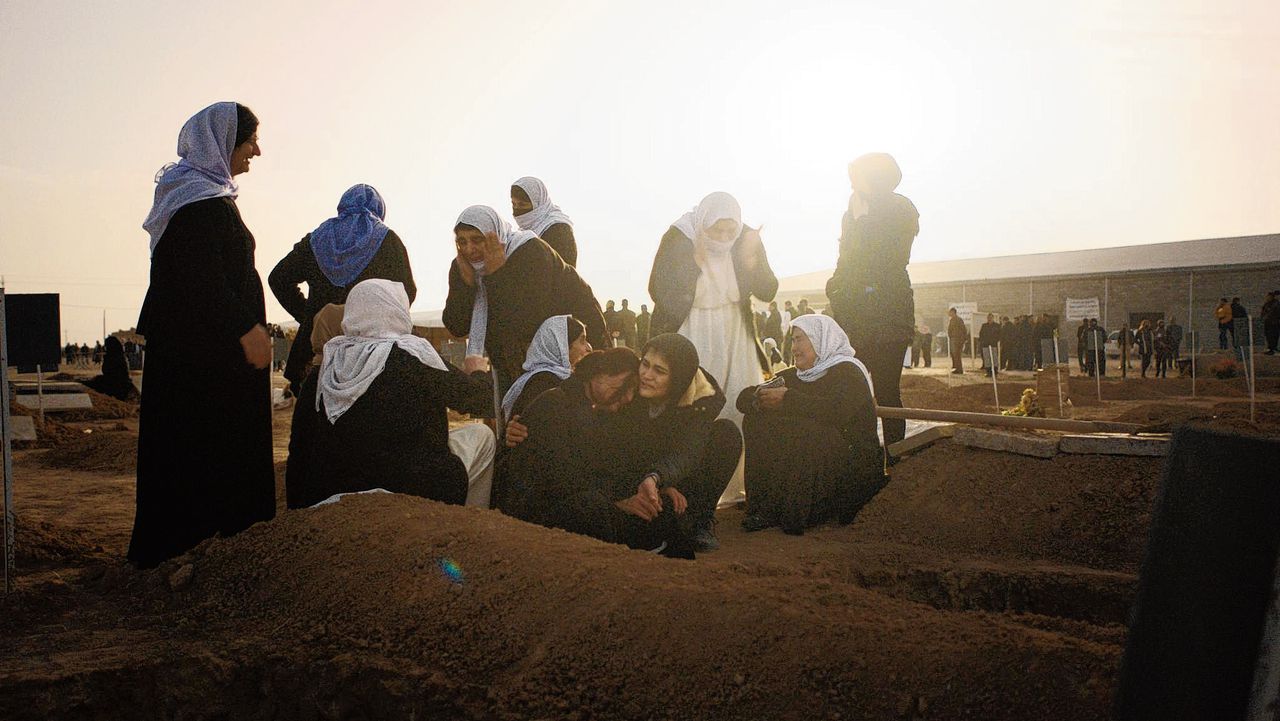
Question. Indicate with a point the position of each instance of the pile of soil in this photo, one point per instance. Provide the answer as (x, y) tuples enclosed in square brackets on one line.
[(48, 434), (102, 451), (105, 408), (387, 606), (927, 392), (46, 544), (1226, 415), (1088, 510)]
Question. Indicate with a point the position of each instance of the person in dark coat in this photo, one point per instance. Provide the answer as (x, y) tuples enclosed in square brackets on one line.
[(957, 334), (69, 353), (672, 437), (611, 326), (1164, 350), (114, 381), (561, 473), (989, 343), (627, 325), (1271, 321), (1144, 342), (382, 396), (353, 246), (533, 210), (870, 292), (643, 323), (204, 442), (1239, 323), (503, 284), (1174, 333), (299, 492), (812, 450), (773, 324)]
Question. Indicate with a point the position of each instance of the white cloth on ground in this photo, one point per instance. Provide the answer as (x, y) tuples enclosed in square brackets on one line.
[(474, 444)]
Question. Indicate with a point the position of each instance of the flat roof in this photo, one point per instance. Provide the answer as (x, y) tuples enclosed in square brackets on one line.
[(1178, 255)]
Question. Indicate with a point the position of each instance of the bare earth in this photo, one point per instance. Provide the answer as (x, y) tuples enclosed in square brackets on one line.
[(978, 585)]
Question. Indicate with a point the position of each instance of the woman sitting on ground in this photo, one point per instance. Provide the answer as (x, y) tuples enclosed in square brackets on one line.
[(561, 341), (381, 400), (115, 380), (672, 441), (812, 450)]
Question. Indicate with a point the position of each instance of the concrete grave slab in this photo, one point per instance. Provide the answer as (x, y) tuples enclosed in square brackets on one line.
[(1109, 444), (23, 428), (994, 440), (920, 440)]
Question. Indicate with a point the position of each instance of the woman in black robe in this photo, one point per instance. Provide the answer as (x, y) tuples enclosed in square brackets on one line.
[(114, 381), (382, 396), (812, 451), (302, 431), (204, 443), (532, 207), (344, 250)]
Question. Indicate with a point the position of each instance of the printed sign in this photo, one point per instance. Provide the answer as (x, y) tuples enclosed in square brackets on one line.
[(1082, 308)]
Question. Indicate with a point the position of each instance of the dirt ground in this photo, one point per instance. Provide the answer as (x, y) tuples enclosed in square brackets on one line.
[(977, 585)]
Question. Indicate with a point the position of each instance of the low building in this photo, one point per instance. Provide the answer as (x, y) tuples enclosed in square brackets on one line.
[(1169, 281)]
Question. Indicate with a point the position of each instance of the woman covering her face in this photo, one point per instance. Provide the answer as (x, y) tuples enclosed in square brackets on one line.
[(532, 207), (352, 246), (503, 284), (708, 267), (204, 446), (812, 454)]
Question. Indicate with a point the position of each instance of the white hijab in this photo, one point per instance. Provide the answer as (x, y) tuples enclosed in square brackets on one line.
[(486, 220), (204, 171), (831, 345), (545, 213), (718, 284), (375, 318), (548, 352)]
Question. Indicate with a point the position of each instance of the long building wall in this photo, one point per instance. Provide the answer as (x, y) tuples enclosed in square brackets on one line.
[(1119, 295)]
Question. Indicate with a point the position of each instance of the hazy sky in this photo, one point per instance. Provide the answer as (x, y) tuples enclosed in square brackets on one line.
[(1021, 126)]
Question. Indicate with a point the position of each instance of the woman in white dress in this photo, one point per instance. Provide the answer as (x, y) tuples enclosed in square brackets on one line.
[(708, 267)]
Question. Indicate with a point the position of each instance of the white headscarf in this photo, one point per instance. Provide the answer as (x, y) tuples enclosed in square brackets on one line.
[(831, 345), (548, 352), (545, 213), (375, 318), (204, 171), (718, 284), (486, 220)]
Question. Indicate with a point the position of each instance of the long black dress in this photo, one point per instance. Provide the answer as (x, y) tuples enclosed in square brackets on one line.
[(391, 262), (204, 445), (816, 457)]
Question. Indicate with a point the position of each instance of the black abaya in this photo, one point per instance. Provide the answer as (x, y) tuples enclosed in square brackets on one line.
[(204, 443)]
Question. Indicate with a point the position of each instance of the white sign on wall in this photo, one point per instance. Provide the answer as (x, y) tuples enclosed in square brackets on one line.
[(966, 311), (1082, 308)]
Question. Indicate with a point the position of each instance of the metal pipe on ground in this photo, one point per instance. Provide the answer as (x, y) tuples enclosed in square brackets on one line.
[(1023, 422)]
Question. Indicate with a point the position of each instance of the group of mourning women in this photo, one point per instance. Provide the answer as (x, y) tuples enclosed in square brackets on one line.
[(631, 448)]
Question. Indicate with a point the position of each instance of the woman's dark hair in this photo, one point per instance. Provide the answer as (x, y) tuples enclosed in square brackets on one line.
[(246, 124), (681, 357), (576, 329), (607, 362)]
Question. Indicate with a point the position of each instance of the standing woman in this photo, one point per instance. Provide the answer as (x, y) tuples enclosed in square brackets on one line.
[(1144, 340), (870, 292), (532, 207), (708, 267), (204, 445), (353, 246), (503, 284)]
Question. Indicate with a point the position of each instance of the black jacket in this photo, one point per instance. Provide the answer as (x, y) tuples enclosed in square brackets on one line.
[(673, 443), (870, 292), (534, 284), (674, 278), (560, 237), (391, 262)]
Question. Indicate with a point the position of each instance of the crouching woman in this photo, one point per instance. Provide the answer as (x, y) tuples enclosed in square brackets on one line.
[(812, 454)]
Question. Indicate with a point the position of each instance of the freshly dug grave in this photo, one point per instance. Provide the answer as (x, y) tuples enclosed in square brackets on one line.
[(48, 544), (48, 434), (105, 408), (1088, 510), (114, 451), (1224, 415), (388, 606)]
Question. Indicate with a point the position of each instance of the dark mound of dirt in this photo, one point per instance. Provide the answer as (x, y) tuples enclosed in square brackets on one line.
[(1226, 415), (105, 408), (1087, 510), (928, 392), (390, 606), (48, 434), (103, 451), (46, 544)]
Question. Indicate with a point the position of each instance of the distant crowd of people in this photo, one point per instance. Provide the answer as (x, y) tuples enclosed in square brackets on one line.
[(626, 427)]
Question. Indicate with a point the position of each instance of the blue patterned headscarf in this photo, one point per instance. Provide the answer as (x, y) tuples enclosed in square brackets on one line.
[(204, 171), (345, 245)]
